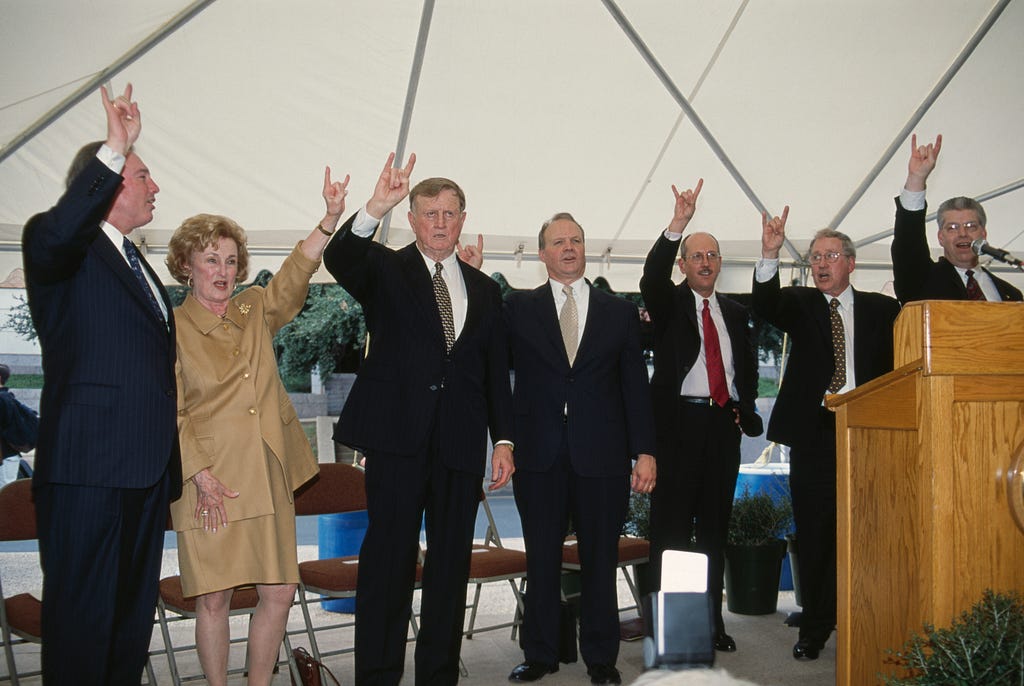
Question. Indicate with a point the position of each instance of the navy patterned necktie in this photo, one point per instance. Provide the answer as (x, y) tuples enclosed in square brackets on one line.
[(132, 253), (444, 306), (973, 288)]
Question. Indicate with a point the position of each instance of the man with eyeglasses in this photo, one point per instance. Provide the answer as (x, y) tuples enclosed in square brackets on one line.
[(956, 275), (703, 391), (841, 338)]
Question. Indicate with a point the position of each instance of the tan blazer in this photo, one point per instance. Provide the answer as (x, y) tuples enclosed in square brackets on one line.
[(231, 401)]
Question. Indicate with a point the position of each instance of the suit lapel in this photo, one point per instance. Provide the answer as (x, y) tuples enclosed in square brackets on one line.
[(543, 301), (115, 260), (421, 290), (596, 308)]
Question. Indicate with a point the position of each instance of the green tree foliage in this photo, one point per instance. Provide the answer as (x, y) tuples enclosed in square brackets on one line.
[(982, 647), (330, 327), (19, 320)]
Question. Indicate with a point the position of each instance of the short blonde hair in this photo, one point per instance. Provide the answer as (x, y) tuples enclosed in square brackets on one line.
[(198, 233)]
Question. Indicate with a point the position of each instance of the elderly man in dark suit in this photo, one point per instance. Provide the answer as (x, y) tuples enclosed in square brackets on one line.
[(703, 390), (434, 381), (956, 275), (581, 413), (841, 338), (107, 461)]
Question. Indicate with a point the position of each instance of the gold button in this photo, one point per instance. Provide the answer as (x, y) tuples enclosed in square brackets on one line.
[(252, 410), (235, 353), (246, 375)]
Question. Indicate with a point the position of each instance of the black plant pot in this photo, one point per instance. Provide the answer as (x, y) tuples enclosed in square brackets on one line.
[(752, 577)]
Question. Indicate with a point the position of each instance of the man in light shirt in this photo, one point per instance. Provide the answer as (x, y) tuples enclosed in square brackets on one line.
[(841, 338), (956, 275)]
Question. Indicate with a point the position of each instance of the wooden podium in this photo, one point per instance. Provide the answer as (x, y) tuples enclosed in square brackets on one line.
[(930, 479)]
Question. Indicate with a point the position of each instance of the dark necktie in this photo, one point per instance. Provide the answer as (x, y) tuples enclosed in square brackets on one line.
[(973, 289), (132, 254), (713, 358), (838, 347), (569, 323), (444, 306)]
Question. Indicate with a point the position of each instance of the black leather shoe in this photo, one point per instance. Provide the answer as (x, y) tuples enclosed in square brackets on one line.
[(531, 671), (806, 649), (604, 674), (724, 643)]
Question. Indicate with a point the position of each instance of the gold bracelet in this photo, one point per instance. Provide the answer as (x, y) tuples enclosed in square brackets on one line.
[(321, 229)]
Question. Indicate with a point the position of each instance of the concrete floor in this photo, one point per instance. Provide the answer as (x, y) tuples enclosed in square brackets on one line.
[(763, 656)]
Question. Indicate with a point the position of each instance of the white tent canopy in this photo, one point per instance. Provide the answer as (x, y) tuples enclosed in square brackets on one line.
[(534, 107)]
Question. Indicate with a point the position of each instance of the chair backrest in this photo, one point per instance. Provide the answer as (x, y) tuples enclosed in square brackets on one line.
[(17, 511), (339, 488), (492, 536)]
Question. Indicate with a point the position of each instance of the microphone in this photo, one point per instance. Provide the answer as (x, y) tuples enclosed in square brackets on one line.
[(980, 246)]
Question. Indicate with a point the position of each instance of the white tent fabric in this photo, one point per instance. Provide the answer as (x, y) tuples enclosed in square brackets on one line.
[(536, 106)]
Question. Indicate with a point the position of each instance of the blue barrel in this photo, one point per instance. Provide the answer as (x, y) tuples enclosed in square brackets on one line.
[(340, 535), (773, 479)]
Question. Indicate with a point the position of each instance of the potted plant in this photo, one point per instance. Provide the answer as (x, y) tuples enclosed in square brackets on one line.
[(754, 551), (985, 645)]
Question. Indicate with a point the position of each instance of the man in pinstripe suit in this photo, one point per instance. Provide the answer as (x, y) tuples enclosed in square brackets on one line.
[(107, 461)]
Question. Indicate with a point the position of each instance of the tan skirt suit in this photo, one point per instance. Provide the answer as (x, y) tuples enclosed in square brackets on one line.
[(235, 418)]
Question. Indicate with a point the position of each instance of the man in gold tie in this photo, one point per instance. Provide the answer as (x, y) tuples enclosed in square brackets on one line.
[(841, 338), (581, 415)]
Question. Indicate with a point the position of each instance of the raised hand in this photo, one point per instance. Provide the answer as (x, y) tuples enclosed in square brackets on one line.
[(686, 205), (124, 123), (773, 234), (473, 255), (334, 194), (392, 187), (922, 162)]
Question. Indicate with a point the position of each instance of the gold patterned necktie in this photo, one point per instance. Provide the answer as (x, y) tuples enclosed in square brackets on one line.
[(444, 307), (973, 288), (838, 347), (569, 323)]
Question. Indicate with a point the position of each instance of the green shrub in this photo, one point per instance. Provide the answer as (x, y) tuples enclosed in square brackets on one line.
[(984, 646), (759, 518)]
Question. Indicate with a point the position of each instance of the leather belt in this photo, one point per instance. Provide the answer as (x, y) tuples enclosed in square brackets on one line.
[(697, 400)]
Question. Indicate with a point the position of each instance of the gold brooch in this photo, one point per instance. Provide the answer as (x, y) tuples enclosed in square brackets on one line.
[(244, 308)]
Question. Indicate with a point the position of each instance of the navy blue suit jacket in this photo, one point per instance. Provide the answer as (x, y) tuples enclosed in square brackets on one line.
[(408, 385), (916, 276), (108, 414), (606, 391), (803, 313)]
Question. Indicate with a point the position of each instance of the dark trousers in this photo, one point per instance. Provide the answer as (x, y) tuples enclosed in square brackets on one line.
[(598, 508), (100, 549), (812, 481), (401, 493), (692, 501)]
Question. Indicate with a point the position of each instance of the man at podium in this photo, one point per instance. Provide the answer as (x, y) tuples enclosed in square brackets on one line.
[(841, 338), (956, 275)]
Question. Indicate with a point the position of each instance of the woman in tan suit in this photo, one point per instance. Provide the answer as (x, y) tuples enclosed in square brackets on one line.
[(243, 450)]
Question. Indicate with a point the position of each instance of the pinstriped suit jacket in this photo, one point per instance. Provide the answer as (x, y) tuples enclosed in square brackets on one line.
[(108, 406)]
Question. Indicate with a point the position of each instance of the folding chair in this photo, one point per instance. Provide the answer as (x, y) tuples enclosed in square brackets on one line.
[(492, 561), (173, 606), (21, 615), (632, 552), (339, 488)]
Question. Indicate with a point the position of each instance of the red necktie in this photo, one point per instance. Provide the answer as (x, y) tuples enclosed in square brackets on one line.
[(973, 289), (713, 358)]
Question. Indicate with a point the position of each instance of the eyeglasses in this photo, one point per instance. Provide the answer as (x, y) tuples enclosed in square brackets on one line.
[(698, 257), (829, 257), (969, 227)]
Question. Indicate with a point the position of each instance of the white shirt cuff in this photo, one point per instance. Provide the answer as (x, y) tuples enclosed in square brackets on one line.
[(912, 200), (113, 160), (364, 224), (765, 269)]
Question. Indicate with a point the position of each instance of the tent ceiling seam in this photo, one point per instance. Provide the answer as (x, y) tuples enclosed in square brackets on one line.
[(104, 74), (919, 113)]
